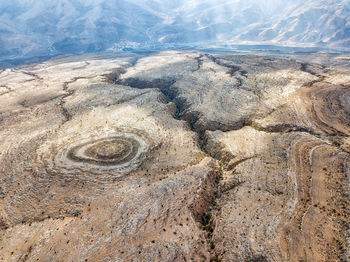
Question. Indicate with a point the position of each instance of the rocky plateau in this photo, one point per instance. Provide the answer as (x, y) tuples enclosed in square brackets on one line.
[(174, 156)]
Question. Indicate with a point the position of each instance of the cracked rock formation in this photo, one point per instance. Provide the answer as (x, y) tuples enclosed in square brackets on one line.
[(174, 156)]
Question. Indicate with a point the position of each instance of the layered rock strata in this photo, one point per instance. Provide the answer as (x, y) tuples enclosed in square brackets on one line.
[(175, 156)]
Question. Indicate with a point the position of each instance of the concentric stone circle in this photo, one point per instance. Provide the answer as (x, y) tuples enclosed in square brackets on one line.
[(115, 153), (105, 151)]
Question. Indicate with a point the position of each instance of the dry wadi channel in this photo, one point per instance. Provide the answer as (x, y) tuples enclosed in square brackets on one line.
[(174, 156)]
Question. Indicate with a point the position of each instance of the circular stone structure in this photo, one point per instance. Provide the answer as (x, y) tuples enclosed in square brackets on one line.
[(106, 151), (114, 154)]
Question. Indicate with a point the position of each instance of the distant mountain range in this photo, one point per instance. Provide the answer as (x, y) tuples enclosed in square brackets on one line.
[(31, 28)]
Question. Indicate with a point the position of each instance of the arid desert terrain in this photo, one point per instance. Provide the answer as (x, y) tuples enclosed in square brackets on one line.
[(174, 156)]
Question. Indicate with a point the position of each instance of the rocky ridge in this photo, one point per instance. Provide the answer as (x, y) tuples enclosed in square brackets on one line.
[(176, 156)]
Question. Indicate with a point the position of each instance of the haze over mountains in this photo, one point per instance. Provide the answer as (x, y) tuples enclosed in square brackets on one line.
[(185, 147), (39, 28)]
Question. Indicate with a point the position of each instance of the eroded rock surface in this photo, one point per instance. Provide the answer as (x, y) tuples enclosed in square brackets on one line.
[(175, 156)]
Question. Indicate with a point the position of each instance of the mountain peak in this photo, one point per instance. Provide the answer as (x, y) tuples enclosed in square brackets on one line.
[(32, 28)]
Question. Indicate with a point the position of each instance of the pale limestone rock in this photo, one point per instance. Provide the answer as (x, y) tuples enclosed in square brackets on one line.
[(175, 156)]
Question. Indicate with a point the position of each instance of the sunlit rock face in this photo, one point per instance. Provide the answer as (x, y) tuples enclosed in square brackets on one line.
[(175, 156)]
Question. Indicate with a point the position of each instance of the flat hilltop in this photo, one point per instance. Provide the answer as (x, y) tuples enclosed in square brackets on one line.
[(175, 156)]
